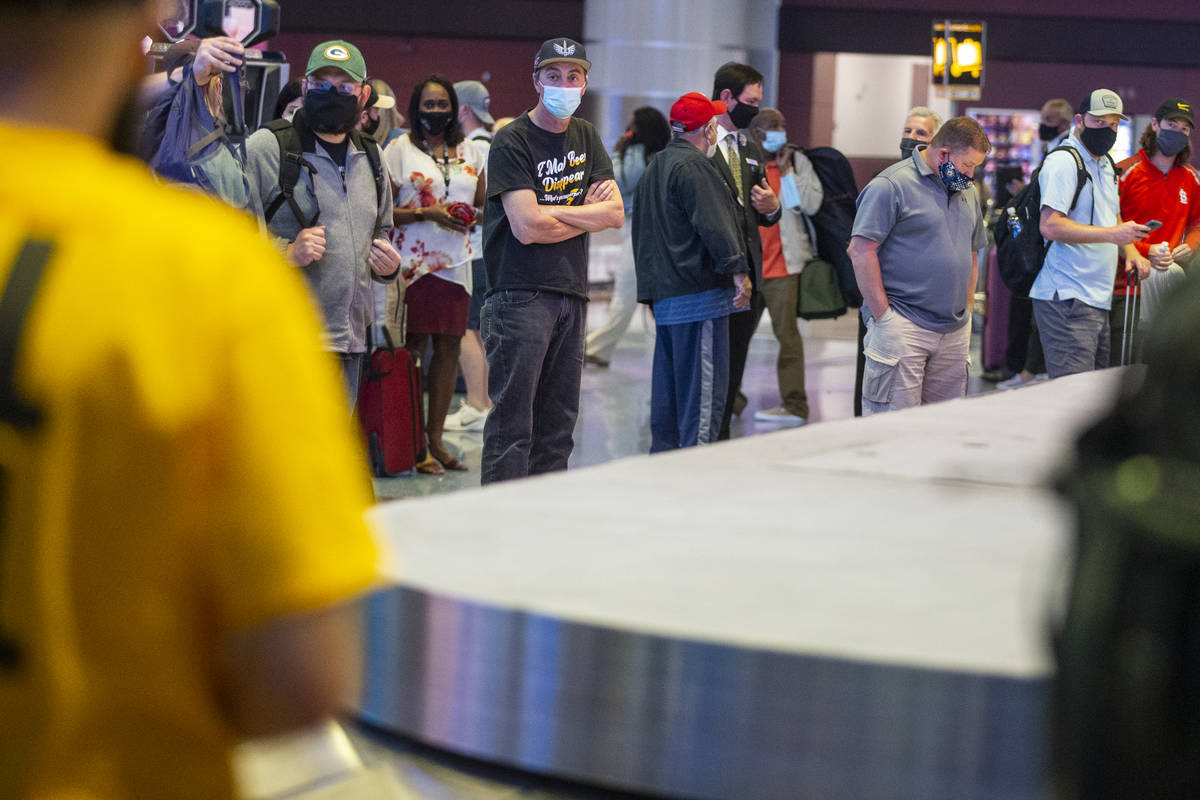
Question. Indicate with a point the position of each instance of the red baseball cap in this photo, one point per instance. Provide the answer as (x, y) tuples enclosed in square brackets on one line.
[(693, 110)]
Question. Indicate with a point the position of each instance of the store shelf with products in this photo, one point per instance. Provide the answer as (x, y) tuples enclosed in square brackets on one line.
[(1014, 137)]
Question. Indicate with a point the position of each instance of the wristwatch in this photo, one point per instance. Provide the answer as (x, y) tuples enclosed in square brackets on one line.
[(419, 214)]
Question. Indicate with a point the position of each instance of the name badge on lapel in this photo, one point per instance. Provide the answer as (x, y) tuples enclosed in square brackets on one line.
[(752, 162)]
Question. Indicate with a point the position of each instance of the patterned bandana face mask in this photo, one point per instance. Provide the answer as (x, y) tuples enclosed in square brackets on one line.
[(954, 180)]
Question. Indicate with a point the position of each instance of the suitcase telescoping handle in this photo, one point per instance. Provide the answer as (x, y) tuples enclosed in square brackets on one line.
[(390, 361), (1132, 280)]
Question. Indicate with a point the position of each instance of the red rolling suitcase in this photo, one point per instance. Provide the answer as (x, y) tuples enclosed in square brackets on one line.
[(389, 409)]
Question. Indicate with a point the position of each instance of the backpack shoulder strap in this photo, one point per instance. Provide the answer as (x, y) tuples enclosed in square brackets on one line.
[(291, 161), (19, 292), (1081, 173), (371, 147)]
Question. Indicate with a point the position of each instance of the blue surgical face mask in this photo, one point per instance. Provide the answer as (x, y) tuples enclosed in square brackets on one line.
[(955, 181), (773, 140), (561, 101)]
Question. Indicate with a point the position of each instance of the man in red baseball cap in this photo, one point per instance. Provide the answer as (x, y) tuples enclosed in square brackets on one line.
[(692, 269)]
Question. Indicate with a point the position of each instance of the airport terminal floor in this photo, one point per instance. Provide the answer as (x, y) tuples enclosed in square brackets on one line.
[(368, 759), (614, 413)]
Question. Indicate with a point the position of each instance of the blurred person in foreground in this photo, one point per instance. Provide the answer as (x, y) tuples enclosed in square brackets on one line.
[(174, 558)]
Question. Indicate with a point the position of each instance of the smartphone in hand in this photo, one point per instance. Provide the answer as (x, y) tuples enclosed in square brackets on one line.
[(1154, 224)]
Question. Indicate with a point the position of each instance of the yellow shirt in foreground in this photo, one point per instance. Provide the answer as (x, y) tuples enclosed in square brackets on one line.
[(195, 473)]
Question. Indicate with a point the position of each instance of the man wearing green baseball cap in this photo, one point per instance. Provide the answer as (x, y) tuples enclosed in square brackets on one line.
[(335, 222)]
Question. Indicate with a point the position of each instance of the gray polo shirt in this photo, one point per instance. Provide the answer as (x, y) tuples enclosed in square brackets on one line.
[(926, 238)]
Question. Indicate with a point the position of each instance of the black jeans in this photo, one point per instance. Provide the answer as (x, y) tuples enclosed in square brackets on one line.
[(534, 346), (742, 325)]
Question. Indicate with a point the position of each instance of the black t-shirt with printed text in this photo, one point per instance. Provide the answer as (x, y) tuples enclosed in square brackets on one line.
[(558, 168)]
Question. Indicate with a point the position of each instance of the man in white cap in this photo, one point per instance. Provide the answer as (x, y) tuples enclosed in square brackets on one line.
[(1081, 219), (549, 183)]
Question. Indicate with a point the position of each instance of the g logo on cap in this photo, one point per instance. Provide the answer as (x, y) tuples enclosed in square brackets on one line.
[(336, 53)]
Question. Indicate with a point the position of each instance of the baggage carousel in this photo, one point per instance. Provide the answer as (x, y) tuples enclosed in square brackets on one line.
[(856, 609)]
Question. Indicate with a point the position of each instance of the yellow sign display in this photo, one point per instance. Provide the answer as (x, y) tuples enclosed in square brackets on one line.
[(958, 59)]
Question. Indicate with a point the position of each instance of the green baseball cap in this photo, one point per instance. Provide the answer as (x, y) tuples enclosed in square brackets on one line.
[(340, 54)]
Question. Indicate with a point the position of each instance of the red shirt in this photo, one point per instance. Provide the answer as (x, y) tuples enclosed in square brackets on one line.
[(773, 264), (1172, 198)]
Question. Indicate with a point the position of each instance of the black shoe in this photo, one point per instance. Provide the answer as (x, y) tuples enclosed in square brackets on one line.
[(739, 404)]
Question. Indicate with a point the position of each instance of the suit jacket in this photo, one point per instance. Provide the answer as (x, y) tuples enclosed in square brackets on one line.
[(754, 172)]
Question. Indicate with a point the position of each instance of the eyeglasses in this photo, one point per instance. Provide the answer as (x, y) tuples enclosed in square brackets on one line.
[(328, 86)]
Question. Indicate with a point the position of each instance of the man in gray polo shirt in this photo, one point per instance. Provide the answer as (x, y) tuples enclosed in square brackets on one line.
[(915, 248), (1073, 292)]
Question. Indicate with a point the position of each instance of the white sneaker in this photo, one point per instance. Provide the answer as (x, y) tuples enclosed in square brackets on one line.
[(1014, 382), (778, 416), (467, 418)]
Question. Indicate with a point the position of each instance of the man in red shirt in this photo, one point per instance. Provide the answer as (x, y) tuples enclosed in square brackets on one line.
[(786, 247), (1157, 183)]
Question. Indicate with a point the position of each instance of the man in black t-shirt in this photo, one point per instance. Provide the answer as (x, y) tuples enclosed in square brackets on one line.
[(549, 185)]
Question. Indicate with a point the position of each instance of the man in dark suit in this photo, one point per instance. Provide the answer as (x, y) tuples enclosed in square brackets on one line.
[(742, 165)]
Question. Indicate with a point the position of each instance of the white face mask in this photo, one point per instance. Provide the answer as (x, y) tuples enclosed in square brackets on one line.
[(561, 101)]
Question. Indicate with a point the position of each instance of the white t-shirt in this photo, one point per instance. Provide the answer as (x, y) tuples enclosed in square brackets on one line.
[(421, 181)]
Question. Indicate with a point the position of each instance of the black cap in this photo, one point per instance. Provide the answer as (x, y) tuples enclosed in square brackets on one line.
[(561, 50), (1176, 108)]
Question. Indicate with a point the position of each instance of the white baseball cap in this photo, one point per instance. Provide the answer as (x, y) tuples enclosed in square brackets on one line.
[(1102, 102)]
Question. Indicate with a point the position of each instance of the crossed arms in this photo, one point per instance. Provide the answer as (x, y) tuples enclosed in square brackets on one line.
[(538, 224)]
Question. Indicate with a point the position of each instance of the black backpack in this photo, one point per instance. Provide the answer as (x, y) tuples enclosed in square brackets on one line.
[(834, 221), (294, 139), (1020, 253)]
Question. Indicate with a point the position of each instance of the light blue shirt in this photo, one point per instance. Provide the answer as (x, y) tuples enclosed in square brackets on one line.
[(627, 169), (1083, 272)]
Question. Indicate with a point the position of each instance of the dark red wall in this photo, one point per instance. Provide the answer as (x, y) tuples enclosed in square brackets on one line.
[(1179, 10), (1012, 85), (402, 61)]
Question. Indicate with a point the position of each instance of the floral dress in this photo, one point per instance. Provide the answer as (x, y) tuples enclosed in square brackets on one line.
[(421, 181)]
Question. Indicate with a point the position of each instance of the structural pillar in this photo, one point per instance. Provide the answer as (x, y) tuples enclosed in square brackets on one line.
[(649, 52)]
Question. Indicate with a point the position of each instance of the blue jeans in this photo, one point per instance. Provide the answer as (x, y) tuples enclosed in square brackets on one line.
[(689, 383), (534, 346), (351, 364)]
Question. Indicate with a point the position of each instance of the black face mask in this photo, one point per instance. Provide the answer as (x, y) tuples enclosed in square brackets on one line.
[(1047, 133), (907, 145), (371, 125), (435, 121), (741, 115), (1098, 141), (331, 112)]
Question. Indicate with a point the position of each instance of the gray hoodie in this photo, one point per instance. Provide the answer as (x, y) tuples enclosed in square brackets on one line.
[(352, 214)]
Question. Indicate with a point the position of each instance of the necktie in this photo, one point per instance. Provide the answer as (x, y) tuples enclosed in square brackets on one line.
[(735, 166)]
